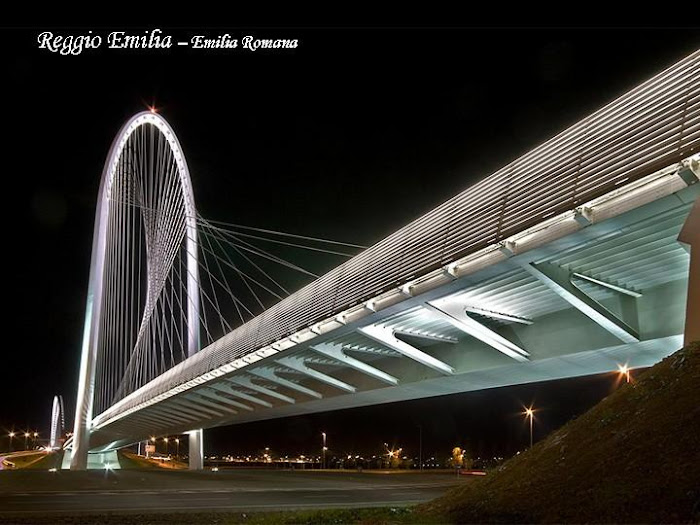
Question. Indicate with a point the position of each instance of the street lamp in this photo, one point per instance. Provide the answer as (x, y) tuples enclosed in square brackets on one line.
[(11, 435), (529, 413), (624, 370), (420, 446), (177, 446), (166, 445), (324, 449), (26, 436)]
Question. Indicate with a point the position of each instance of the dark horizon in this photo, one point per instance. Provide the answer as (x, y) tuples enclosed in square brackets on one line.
[(446, 421), (349, 137)]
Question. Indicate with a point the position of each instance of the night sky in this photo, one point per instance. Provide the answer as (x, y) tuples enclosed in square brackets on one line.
[(348, 137)]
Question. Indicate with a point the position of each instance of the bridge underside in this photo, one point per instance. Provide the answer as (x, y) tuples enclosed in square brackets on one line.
[(610, 293)]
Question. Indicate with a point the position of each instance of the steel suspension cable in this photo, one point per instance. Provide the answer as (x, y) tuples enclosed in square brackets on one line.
[(296, 236)]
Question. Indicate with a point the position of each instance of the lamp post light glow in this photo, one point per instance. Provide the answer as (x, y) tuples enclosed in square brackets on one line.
[(624, 370), (165, 439), (26, 437), (324, 449), (529, 413), (11, 435), (177, 448)]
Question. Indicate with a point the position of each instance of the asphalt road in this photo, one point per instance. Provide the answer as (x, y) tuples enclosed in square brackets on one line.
[(235, 490)]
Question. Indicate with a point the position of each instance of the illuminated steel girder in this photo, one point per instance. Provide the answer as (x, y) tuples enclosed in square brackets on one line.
[(455, 314), (298, 364), (336, 352), (559, 280), (272, 376), (386, 336)]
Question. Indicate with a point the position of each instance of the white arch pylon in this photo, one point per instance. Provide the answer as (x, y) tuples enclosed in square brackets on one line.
[(88, 360)]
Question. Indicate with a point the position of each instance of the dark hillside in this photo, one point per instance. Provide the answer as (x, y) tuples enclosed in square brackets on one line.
[(634, 457)]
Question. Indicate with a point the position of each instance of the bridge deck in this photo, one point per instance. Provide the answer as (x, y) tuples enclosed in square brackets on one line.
[(646, 130)]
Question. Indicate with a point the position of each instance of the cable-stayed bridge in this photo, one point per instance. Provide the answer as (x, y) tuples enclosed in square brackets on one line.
[(565, 262)]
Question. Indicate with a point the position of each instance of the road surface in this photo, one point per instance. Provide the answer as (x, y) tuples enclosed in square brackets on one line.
[(38, 493)]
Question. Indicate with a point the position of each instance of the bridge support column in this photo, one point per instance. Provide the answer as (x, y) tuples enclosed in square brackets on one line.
[(690, 235), (196, 449)]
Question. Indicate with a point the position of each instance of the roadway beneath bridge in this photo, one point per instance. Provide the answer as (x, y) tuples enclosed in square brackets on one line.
[(35, 493)]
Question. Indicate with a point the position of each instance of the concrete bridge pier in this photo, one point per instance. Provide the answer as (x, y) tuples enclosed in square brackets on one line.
[(690, 236), (196, 449)]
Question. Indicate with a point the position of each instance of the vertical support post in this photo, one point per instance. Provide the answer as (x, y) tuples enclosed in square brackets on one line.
[(196, 449), (420, 446), (54, 436), (192, 286), (196, 437), (690, 235)]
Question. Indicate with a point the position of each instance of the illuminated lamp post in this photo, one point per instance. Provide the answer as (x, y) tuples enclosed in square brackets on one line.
[(529, 413), (624, 370)]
